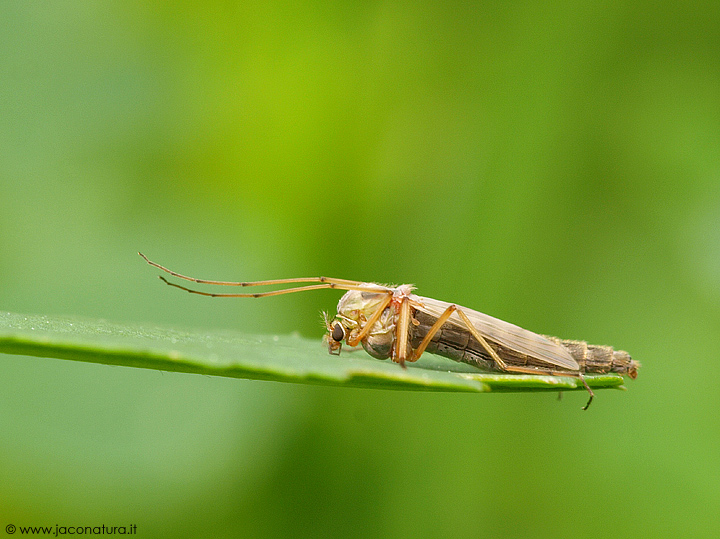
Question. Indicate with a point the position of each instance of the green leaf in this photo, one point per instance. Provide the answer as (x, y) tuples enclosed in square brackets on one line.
[(282, 358)]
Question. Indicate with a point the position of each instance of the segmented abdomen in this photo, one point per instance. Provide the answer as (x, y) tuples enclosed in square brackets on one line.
[(459, 345), (599, 359)]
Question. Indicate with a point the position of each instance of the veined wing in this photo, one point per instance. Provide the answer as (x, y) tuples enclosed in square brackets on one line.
[(508, 335)]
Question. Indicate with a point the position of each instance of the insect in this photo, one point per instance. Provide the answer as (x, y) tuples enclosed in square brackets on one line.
[(392, 322)]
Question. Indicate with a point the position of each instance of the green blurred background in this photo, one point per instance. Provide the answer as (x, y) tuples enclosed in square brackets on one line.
[(556, 165)]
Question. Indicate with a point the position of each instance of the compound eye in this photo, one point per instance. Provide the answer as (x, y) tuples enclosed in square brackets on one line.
[(338, 333)]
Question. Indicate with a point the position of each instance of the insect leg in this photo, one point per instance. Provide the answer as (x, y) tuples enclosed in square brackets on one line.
[(475, 333), (432, 331), (468, 324), (251, 295), (582, 379), (530, 370), (445, 316), (402, 350), (326, 282)]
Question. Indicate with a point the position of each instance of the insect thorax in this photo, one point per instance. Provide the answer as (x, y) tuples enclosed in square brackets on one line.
[(355, 308)]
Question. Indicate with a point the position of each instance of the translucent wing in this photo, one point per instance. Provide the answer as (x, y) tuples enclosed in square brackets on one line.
[(508, 335)]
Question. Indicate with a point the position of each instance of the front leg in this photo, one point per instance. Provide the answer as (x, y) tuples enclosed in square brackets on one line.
[(355, 339)]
